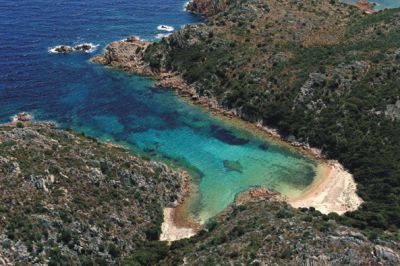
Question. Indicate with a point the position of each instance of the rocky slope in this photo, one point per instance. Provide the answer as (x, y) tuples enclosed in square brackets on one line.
[(321, 72), (66, 200), (262, 231)]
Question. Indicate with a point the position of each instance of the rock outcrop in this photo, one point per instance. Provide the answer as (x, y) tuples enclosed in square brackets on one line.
[(64, 49), (126, 55)]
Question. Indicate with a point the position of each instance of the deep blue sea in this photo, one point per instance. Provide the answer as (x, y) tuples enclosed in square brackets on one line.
[(66, 88)]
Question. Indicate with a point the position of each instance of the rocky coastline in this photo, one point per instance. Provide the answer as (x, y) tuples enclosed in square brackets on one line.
[(128, 55), (366, 6)]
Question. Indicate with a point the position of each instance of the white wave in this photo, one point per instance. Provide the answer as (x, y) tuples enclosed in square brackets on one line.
[(165, 28), (185, 5), (26, 115), (162, 35), (53, 50)]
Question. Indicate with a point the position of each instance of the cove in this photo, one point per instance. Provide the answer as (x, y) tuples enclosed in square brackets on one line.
[(223, 158)]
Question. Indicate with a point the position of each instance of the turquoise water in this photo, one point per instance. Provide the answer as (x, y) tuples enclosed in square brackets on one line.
[(158, 124), (222, 158), (382, 4)]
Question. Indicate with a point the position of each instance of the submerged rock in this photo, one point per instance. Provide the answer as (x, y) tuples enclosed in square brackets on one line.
[(227, 136), (233, 166), (263, 147)]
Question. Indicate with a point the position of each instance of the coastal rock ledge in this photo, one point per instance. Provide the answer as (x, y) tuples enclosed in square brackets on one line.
[(126, 55)]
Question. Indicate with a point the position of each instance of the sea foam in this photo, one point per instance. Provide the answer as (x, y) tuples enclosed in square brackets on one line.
[(165, 28), (162, 35), (185, 5)]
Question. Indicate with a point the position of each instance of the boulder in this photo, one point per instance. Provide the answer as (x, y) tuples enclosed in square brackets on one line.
[(387, 254), (64, 49), (83, 47)]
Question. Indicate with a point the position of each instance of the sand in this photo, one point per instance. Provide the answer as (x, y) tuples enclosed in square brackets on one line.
[(170, 231), (333, 191)]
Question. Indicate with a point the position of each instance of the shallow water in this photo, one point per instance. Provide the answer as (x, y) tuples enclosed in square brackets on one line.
[(222, 158), (382, 4)]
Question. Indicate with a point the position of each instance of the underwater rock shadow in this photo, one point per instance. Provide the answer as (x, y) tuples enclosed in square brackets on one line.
[(227, 136)]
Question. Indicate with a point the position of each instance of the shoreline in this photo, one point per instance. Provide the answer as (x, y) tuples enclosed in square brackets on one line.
[(178, 223), (333, 189)]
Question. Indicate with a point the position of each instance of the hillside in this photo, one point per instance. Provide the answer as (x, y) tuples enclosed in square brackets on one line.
[(68, 200), (263, 231), (321, 72)]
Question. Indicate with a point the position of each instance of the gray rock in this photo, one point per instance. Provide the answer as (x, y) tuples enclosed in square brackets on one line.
[(387, 254), (393, 110), (39, 182)]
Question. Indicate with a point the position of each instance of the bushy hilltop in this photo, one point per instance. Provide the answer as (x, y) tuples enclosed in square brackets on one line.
[(319, 71), (266, 232), (68, 200)]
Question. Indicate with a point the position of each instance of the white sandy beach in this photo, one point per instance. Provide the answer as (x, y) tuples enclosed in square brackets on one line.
[(335, 192)]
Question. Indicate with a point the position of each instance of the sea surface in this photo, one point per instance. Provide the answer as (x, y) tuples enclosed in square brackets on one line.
[(382, 4), (223, 158)]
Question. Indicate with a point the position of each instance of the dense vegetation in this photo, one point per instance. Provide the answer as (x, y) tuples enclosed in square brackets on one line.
[(319, 71)]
